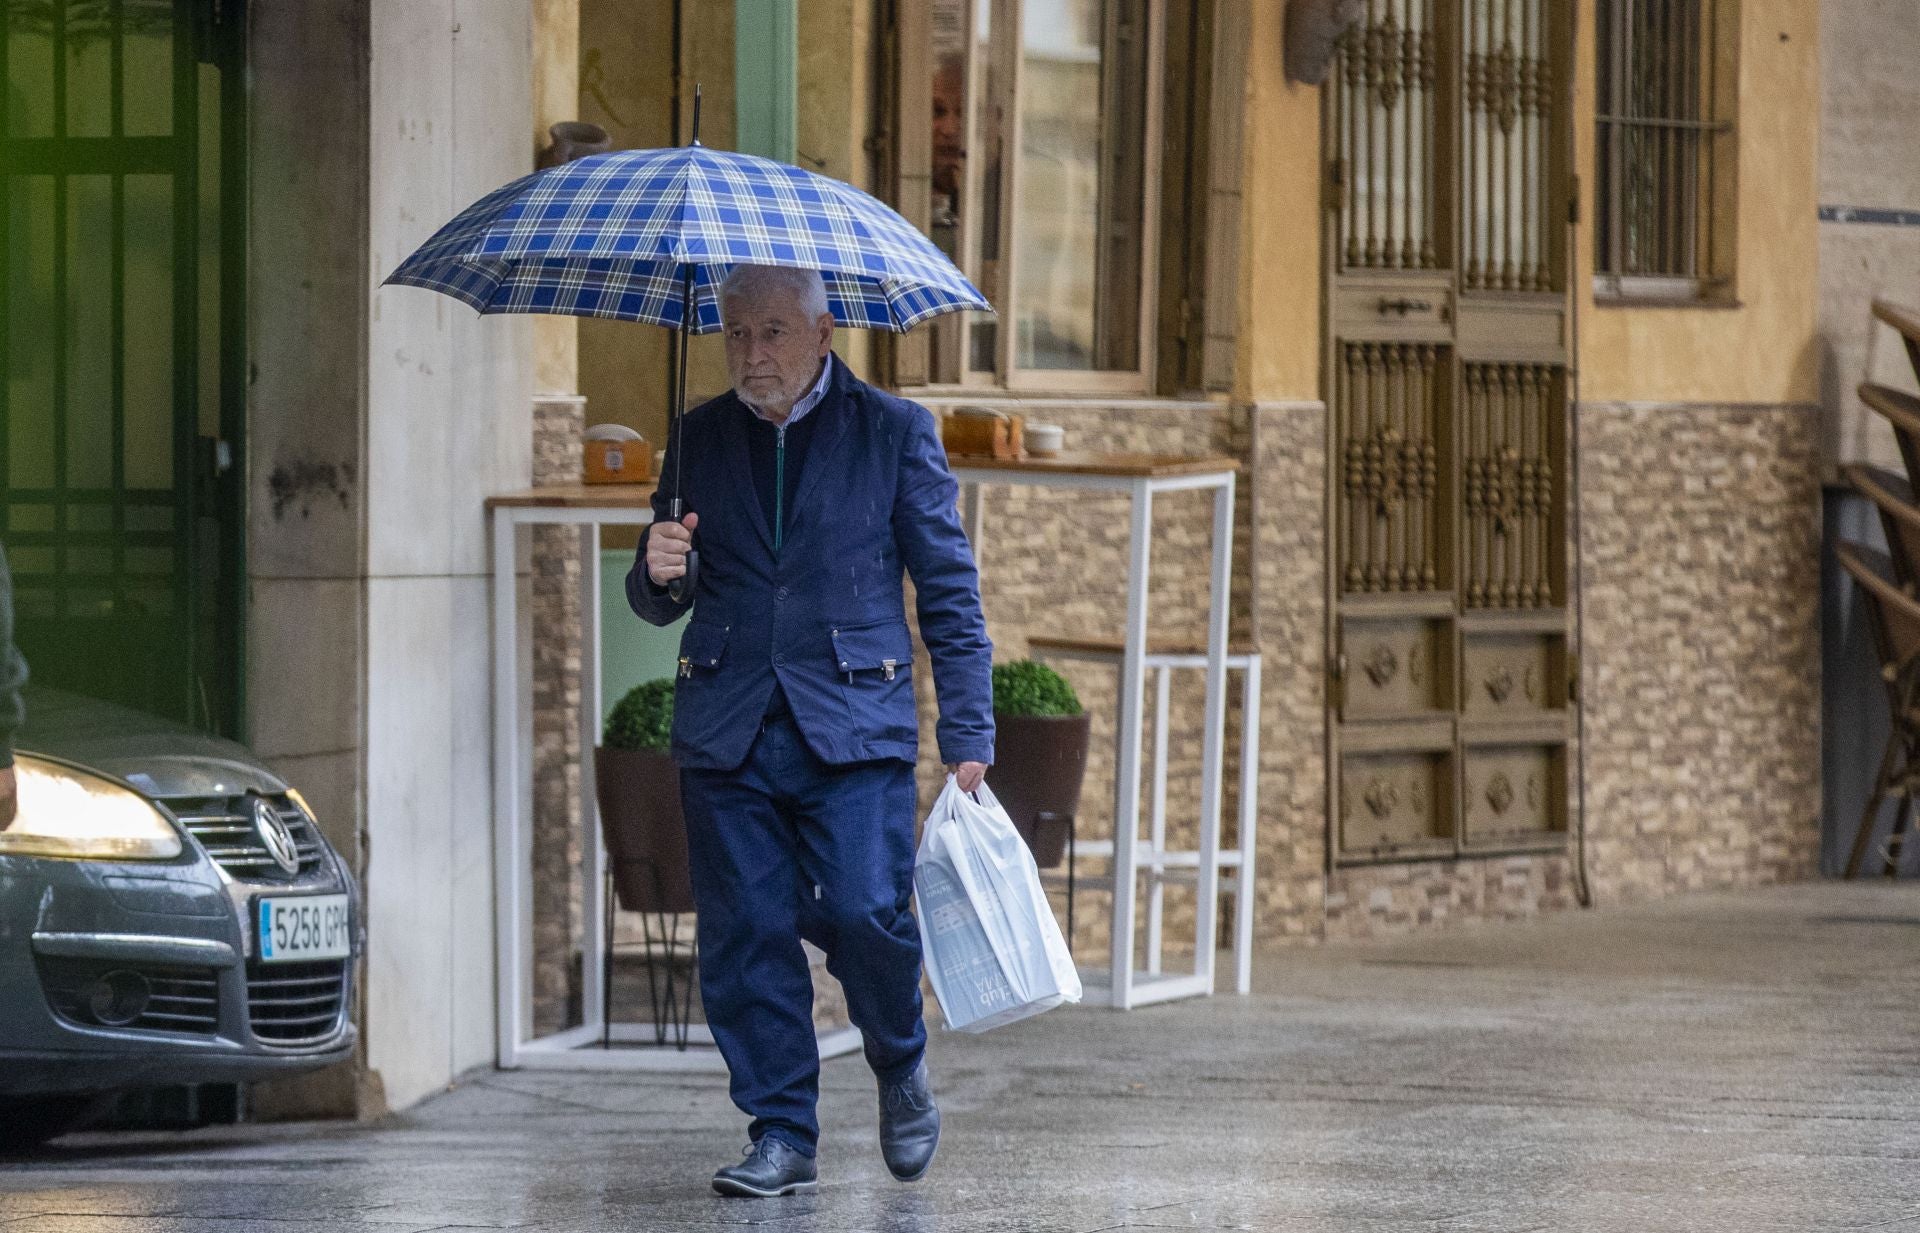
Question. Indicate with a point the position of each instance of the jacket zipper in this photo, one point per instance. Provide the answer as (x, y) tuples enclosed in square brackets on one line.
[(779, 482)]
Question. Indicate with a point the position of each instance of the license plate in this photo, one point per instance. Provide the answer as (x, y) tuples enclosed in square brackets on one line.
[(304, 927)]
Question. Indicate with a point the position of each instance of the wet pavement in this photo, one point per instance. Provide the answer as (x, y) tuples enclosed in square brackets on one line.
[(1732, 1062)]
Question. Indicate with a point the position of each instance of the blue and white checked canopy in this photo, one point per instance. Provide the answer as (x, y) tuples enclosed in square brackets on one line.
[(611, 235)]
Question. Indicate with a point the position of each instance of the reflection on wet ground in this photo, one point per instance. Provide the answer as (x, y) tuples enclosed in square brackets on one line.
[(1721, 1062)]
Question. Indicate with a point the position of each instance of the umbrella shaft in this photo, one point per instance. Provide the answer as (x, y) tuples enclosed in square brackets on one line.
[(680, 384)]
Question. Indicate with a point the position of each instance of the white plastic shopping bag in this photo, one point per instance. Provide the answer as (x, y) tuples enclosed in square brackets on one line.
[(993, 949)]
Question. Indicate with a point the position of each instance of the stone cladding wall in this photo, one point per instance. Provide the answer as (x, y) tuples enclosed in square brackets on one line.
[(1700, 679), (1700, 652), (1701, 648), (555, 605), (1056, 560), (1369, 901)]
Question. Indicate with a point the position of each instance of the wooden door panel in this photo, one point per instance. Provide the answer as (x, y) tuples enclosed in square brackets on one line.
[(1446, 305), (1509, 94), (1397, 805), (1513, 675), (1392, 522), (1391, 141), (1513, 535), (1396, 668), (1411, 307), (1513, 794)]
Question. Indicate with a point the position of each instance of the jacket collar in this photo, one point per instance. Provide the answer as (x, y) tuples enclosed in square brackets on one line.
[(837, 407), (815, 395), (842, 388)]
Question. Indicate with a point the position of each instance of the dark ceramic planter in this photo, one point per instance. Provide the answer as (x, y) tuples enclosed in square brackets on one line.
[(1038, 763), (639, 791)]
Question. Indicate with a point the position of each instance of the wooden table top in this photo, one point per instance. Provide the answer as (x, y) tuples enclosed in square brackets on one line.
[(1067, 462), (1077, 462), (576, 496)]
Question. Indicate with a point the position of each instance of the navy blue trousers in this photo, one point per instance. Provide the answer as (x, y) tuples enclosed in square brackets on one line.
[(761, 837)]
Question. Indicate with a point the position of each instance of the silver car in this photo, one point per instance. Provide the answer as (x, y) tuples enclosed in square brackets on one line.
[(170, 913)]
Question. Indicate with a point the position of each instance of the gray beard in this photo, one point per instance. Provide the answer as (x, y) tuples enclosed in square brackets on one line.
[(765, 408)]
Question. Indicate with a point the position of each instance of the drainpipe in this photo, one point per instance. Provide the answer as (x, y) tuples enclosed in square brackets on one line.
[(1577, 568), (766, 46)]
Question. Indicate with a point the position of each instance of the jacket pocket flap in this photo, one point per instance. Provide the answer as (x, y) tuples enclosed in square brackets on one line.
[(880, 645), (704, 643)]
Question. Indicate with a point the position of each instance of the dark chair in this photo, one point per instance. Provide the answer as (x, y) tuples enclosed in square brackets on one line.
[(1902, 411), (1906, 322), (1893, 615), (1892, 496)]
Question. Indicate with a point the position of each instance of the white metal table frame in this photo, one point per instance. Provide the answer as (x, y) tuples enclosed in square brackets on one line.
[(515, 1045), (1165, 865), (1130, 987)]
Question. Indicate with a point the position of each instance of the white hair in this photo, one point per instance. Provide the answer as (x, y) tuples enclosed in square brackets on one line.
[(756, 281)]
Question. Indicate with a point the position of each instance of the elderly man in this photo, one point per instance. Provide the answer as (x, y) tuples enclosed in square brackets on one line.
[(794, 724)]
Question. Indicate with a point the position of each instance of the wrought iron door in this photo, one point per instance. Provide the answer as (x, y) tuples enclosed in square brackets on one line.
[(120, 319), (1446, 307)]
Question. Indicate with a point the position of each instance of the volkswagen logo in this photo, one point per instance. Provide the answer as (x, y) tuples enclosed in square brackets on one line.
[(275, 836)]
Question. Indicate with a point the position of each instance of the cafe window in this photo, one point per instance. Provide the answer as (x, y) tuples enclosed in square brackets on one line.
[(1664, 150), (1043, 145)]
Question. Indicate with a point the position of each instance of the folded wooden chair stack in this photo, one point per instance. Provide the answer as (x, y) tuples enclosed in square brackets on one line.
[(1889, 584)]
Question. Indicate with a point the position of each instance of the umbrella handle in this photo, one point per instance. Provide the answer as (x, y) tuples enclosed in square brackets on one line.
[(680, 590)]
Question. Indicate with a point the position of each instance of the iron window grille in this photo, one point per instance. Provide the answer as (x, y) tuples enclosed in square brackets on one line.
[(1663, 155)]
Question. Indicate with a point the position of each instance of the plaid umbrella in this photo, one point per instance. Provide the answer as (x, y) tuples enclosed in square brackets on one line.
[(617, 234), (649, 235)]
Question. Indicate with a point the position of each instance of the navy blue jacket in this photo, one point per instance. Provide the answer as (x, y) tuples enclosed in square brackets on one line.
[(827, 616)]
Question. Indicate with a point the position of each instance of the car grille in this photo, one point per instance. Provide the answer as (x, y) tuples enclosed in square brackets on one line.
[(224, 827), (150, 996), (296, 1003)]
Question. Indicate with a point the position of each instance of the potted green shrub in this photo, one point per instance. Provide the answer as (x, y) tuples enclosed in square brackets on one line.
[(639, 792), (1039, 754)]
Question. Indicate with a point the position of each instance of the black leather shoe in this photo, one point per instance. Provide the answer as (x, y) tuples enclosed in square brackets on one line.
[(909, 1125), (769, 1169)]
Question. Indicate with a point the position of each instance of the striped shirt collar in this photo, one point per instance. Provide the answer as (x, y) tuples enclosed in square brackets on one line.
[(808, 401)]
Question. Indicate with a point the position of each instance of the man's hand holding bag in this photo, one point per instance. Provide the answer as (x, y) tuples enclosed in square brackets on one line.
[(994, 951)]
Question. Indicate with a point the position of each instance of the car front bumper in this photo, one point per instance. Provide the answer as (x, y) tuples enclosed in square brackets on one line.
[(179, 936)]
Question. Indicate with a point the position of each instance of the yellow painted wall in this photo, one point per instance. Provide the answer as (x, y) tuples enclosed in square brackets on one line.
[(626, 87), (1763, 350), (1279, 343), (1766, 349), (833, 84), (556, 97)]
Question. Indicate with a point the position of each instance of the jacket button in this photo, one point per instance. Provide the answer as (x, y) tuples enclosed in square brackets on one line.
[(781, 593), (779, 658)]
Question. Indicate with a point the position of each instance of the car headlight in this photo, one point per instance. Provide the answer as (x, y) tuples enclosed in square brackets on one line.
[(65, 811)]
